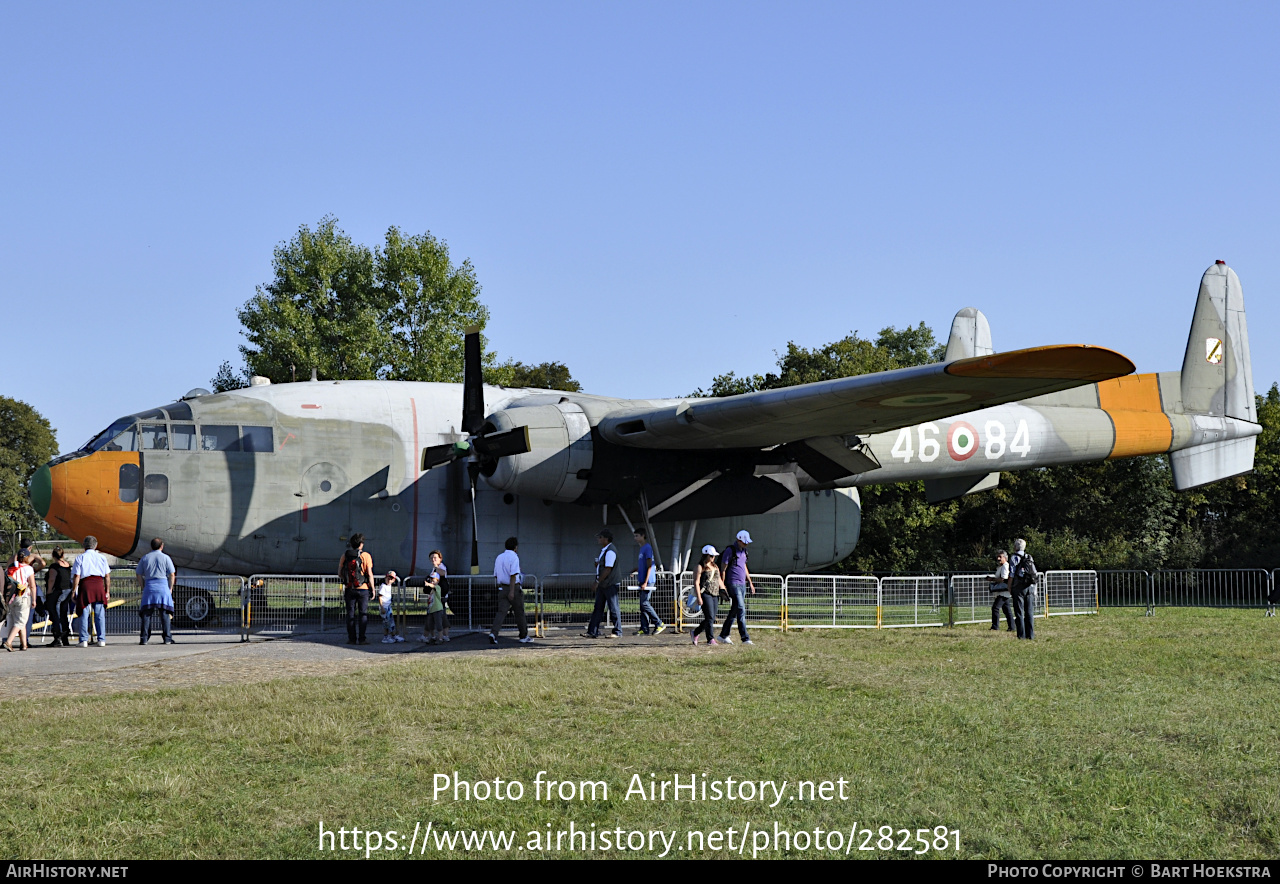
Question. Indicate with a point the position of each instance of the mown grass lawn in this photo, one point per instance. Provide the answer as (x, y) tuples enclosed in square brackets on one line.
[(1110, 736)]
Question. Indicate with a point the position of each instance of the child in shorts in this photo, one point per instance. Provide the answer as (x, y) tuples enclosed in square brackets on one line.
[(385, 592)]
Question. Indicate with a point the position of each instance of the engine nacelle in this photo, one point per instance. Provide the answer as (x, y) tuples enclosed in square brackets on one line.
[(557, 466)]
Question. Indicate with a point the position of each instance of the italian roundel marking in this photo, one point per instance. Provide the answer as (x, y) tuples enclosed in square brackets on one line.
[(962, 440)]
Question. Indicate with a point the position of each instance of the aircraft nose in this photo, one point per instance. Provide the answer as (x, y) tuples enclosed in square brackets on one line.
[(41, 491), (92, 494)]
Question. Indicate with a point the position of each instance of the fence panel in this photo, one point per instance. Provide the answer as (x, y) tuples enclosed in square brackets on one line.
[(814, 600), (913, 601), (293, 603), (1124, 589), (1211, 588), (1070, 592), (971, 594), (765, 608)]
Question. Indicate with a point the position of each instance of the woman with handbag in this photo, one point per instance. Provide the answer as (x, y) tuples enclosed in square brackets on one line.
[(706, 577)]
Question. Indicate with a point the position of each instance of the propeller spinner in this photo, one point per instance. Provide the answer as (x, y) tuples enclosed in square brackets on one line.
[(481, 449)]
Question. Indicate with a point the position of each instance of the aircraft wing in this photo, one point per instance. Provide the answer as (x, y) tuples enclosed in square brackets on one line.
[(871, 403)]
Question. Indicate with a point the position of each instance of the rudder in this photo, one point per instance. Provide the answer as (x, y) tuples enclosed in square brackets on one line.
[(1217, 377)]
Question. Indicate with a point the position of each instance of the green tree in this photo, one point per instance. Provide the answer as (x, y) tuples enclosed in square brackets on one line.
[(396, 312), (430, 304), (849, 356), (228, 378), (545, 376), (26, 442), (323, 310)]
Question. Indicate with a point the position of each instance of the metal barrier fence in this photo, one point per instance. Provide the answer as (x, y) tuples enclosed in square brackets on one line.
[(971, 595), (820, 601), (297, 604), (1125, 589), (1216, 588), (201, 605), (1068, 592), (1193, 588)]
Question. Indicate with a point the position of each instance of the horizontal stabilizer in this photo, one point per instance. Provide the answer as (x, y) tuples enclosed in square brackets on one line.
[(1202, 464), (942, 490)]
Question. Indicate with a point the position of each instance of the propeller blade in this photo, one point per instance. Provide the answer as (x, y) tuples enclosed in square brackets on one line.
[(473, 471), (472, 383), (437, 455), (497, 445)]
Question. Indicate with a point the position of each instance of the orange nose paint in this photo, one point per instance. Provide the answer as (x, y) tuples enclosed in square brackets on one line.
[(85, 498)]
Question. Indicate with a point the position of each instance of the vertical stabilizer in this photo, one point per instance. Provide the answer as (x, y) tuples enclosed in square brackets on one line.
[(970, 335), (1219, 416), (1217, 377)]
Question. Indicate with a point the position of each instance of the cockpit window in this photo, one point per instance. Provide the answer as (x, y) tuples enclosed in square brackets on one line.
[(125, 440), (107, 436), (154, 437), (219, 438), (183, 437)]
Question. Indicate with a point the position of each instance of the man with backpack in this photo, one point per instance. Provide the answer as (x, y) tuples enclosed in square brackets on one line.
[(1022, 583), (356, 572)]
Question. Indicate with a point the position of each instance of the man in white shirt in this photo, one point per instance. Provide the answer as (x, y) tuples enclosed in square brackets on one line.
[(506, 572), (606, 587), (91, 581)]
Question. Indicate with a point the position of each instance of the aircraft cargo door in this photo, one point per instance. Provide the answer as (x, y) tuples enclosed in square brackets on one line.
[(326, 518)]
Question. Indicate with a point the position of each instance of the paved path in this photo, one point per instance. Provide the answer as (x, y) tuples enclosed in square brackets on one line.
[(213, 659)]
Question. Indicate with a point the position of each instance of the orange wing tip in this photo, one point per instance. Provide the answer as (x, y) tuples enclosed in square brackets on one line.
[(1078, 362)]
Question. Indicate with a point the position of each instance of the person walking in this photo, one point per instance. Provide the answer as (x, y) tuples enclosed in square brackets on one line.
[(23, 576), (706, 576), (1022, 571), (91, 581), (606, 588), (506, 572), (647, 581), (356, 571), (58, 598), (737, 579), (1000, 595), (158, 577)]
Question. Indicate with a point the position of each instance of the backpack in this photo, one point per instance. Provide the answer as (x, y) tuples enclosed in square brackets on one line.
[(352, 570), (1025, 573), (11, 587)]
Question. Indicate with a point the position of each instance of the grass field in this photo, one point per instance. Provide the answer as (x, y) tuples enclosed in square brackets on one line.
[(1110, 736)]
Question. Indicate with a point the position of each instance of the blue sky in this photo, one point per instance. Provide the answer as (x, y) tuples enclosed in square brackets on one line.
[(651, 193)]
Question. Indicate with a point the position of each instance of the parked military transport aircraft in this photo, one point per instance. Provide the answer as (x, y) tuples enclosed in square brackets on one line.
[(274, 478)]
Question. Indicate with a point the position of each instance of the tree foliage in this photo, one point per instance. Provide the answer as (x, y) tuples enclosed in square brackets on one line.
[(546, 376), (849, 356), (394, 312), (26, 442)]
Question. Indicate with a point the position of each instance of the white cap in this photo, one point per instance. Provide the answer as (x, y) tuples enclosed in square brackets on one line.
[(709, 550), (744, 536)]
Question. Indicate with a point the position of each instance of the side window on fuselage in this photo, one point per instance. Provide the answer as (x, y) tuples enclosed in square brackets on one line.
[(154, 437), (183, 437), (215, 437), (256, 439)]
